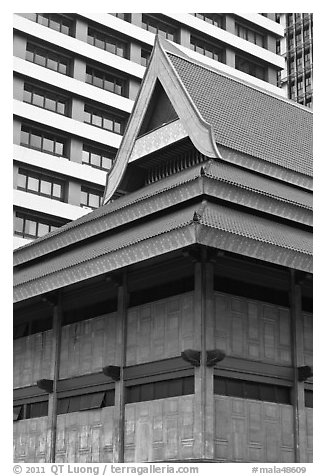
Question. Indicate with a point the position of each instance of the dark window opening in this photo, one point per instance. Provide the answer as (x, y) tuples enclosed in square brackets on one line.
[(249, 67), (18, 412), (252, 390), (161, 389), (308, 395), (162, 291), (252, 291), (88, 312), (90, 401)]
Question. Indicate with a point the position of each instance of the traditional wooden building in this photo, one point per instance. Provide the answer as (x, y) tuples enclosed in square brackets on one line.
[(174, 323)]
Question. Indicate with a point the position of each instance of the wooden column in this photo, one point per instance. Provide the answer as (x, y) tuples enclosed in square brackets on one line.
[(298, 360), (203, 341), (119, 402), (56, 345)]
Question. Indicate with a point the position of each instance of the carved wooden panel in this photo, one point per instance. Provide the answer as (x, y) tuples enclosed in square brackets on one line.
[(160, 329), (88, 346), (31, 441), (307, 338), (160, 430), (253, 431), (309, 430), (32, 358), (85, 437), (252, 329)]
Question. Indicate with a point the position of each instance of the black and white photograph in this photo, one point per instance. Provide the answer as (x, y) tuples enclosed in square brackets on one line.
[(162, 236)]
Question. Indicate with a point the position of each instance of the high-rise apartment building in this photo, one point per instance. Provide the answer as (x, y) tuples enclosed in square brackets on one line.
[(75, 81), (296, 47)]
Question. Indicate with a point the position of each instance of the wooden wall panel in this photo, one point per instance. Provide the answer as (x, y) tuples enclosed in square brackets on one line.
[(160, 329), (88, 346), (309, 430), (32, 358), (253, 431), (85, 437), (31, 440), (252, 329), (307, 338), (160, 430)]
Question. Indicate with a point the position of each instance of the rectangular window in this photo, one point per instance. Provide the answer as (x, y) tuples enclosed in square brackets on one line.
[(40, 184), (106, 81), (45, 99), (159, 27), (107, 42), (47, 59), (90, 401), (48, 143), (161, 389), (207, 49), (91, 197), (18, 412), (252, 390), (103, 119), (97, 158), (249, 67), (29, 226), (212, 18), (145, 55), (122, 16), (250, 35), (54, 21)]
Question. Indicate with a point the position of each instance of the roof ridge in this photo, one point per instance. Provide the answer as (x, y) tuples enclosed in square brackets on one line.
[(215, 70)]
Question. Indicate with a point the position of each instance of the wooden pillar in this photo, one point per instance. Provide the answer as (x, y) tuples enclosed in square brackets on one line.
[(298, 360), (204, 376), (119, 401), (56, 345)]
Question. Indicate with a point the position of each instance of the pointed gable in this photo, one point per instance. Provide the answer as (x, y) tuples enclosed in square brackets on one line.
[(159, 111)]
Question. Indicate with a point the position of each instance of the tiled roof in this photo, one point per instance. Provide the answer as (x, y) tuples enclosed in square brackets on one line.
[(244, 232), (103, 218), (248, 119), (251, 181), (257, 228)]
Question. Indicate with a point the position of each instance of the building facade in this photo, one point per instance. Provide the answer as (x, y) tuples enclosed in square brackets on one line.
[(76, 78), (174, 322), (297, 48)]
